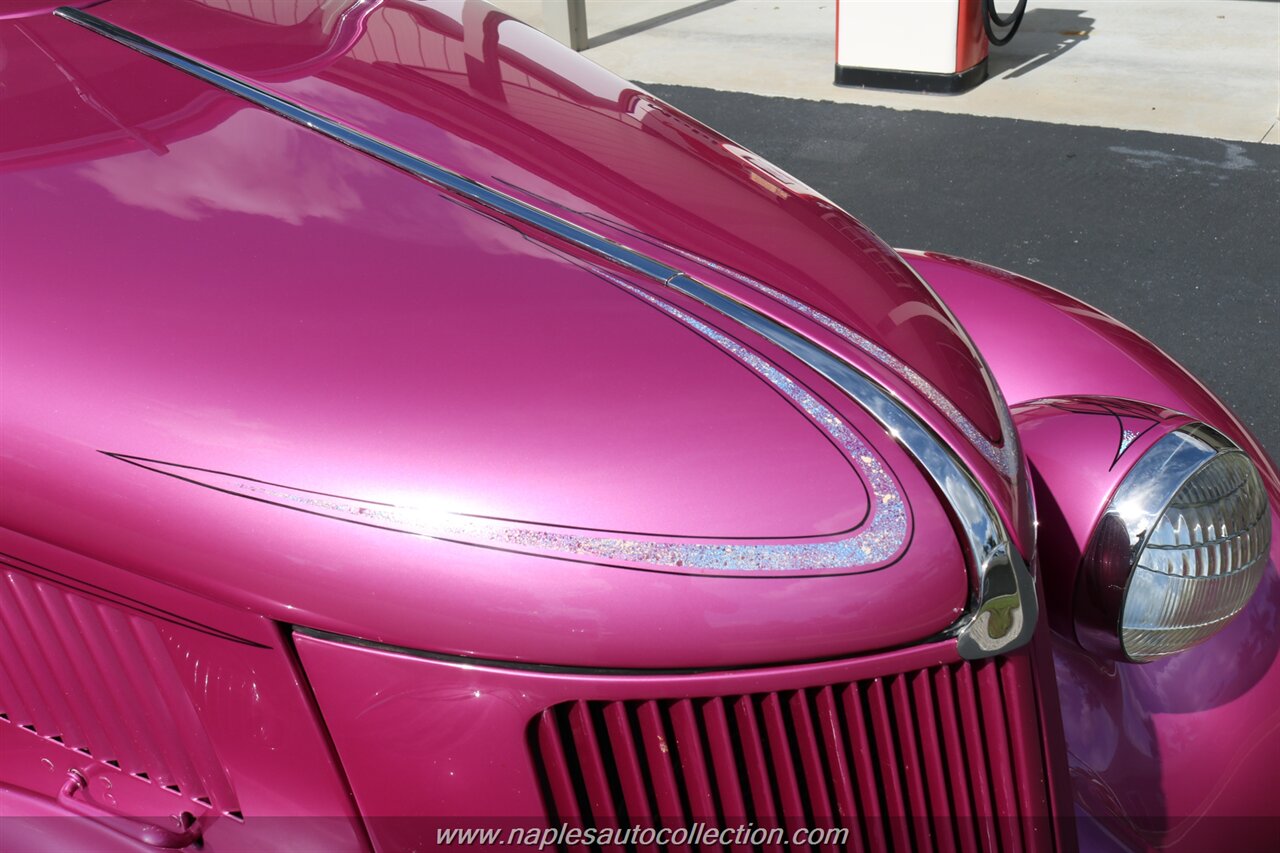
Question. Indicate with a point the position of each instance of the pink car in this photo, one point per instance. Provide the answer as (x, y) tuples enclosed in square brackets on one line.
[(413, 435)]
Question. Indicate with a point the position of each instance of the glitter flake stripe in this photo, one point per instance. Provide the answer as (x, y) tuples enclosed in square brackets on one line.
[(1004, 459), (877, 542)]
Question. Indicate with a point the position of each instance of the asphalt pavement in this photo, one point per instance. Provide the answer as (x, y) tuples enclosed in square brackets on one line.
[(1176, 236)]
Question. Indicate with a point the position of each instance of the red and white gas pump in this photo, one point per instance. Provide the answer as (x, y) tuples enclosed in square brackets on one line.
[(918, 45)]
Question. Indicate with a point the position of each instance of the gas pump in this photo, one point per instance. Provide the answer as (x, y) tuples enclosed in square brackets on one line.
[(935, 46)]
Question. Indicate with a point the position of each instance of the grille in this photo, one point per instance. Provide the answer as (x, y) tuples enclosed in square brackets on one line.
[(943, 758)]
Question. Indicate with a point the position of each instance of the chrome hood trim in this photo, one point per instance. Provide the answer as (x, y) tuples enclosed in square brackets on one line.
[(1003, 457), (1002, 612)]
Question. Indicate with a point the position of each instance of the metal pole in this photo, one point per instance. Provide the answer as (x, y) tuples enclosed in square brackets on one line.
[(566, 21)]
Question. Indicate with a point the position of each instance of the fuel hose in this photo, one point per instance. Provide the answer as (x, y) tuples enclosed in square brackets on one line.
[(992, 20)]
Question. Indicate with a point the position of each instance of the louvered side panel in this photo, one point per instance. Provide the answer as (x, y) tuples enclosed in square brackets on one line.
[(100, 680)]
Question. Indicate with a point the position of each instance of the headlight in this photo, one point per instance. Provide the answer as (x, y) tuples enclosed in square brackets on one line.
[(1179, 550)]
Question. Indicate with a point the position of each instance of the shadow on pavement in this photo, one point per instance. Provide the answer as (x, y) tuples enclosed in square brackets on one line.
[(655, 21), (1045, 35)]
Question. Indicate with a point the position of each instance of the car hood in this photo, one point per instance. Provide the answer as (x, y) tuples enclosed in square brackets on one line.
[(248, 360)]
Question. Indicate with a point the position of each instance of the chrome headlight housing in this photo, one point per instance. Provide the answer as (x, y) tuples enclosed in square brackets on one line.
[(1178, 551)]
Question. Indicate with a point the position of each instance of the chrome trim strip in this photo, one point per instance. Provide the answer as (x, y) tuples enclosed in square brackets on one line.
[(386, 152), (796, 667), (1003, 609)]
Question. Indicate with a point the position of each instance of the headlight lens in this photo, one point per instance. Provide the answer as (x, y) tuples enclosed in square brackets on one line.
[(1202, 561), (1182, 546)]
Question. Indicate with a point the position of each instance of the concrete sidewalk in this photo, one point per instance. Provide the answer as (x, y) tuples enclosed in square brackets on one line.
[(1208, 68)]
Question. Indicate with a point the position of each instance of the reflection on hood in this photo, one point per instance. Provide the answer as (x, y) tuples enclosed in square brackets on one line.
[(190, 181)]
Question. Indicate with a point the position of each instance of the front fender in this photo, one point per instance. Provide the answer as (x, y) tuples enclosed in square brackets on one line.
[(1040, 342), (1178, 754)]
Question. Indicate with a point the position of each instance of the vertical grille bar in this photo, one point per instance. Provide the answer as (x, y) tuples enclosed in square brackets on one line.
[(720, 740), (841, 773), (592, 761), (557, 769), (978, 760), (948, 713), (905, 723), (783, 764), (933, 760), (764, 806), (810, 751), (945, 758), (662, 773), (635, 795), (996, 735), (693, 761), (864, 764), (1033, 782), (890, 765)]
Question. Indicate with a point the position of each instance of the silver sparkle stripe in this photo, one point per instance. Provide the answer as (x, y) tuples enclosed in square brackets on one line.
[(878, 541), (1003, 459)]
